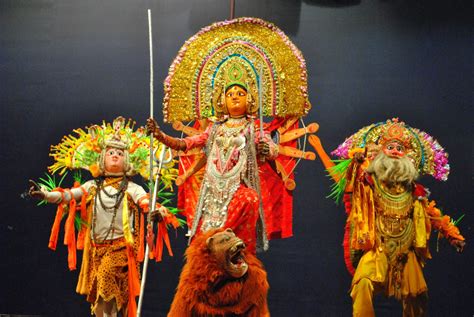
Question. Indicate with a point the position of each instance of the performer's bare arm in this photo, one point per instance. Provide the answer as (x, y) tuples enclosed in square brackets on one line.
[(54, 197)]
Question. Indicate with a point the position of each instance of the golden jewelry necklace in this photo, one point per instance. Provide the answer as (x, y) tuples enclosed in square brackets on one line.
[(393, 204), (236, 122)]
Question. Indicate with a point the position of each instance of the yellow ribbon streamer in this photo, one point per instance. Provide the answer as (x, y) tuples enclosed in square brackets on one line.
[(420, 225), (363, 216), (127, 233)]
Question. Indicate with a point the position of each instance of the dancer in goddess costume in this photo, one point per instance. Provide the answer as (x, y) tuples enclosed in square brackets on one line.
[(113, 206), (224, 78), (389, 215), (229, 192)]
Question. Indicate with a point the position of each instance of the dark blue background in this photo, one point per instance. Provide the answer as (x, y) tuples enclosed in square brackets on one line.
[(67, 64)]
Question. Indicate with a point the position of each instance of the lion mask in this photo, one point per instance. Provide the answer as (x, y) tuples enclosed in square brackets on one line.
[(220, 278)]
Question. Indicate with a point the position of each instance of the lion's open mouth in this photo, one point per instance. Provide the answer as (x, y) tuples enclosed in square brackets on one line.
[(236, 256), (237, 259)]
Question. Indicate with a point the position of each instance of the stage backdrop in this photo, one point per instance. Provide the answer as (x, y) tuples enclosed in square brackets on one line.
[(67, 64)]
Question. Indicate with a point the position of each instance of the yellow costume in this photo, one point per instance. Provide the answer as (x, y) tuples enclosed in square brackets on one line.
[(389, 215), (394, 236)]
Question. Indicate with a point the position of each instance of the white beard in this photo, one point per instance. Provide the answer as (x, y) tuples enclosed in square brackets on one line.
[(393, 170)]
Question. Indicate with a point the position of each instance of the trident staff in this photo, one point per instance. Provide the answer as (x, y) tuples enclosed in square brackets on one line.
[(153, 188)]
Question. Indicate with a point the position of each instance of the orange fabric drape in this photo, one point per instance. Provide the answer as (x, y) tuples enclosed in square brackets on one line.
[(53, 238), (143, 203), (141, 247), (69, 229), (70, 234), (133, 283), (162, 236)]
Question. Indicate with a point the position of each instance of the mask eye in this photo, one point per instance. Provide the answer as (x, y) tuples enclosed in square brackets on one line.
[(224, 239), (389, 147)]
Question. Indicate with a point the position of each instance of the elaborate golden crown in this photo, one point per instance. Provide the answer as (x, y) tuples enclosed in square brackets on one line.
[(218, 54), (395, 131)]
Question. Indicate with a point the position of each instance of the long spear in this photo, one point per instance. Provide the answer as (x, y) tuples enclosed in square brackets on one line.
[(260, 106), (153, 186), (260, 101)]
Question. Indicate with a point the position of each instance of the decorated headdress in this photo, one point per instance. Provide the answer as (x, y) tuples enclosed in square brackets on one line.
[(117, 138), (426, 153), (235, 72), (84, 150), (242, 51)]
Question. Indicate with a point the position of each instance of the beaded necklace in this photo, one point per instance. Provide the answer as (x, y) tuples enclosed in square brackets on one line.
[(229, 140), (235, 122), (118, 196)]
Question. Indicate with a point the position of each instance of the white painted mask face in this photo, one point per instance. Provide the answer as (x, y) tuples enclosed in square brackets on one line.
[(114, 160)]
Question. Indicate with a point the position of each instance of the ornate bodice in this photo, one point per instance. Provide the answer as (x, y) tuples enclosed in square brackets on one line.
[(231, 162), (228, 144), (393, 219), (225, 171)]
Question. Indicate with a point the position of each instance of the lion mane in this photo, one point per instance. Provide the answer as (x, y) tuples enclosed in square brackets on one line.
[(206, 289)]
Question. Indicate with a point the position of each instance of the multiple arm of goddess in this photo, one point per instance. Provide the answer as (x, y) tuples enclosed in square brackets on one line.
[(265, 146), (236, 107)]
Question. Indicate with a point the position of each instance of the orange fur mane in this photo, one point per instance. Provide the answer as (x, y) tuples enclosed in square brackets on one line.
[(205, 289)]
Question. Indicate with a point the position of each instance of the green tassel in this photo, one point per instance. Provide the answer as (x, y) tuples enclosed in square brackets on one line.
[(458, 220), (165, 198), (339, 171), (455, 222), (78, 222), (50, 183), (77, 176)]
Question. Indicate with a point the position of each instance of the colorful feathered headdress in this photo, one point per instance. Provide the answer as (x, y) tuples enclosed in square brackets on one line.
[(426, 153), (82, 150)]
